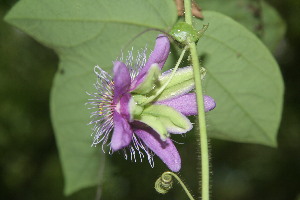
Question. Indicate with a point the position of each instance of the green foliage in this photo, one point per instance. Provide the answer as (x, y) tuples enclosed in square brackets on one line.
[(242, 76), (85, 34), (258, 16), (245, 81), (273, 27)]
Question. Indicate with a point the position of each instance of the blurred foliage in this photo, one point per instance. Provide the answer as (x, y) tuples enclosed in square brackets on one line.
[(232, 55), (30, 167), (256, 15)]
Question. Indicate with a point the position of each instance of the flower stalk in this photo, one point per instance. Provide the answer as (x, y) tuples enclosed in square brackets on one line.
[(201, 114)]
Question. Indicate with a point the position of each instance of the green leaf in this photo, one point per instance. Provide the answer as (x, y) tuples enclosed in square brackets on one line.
[(245, 81), (85, 34), (258, 16)]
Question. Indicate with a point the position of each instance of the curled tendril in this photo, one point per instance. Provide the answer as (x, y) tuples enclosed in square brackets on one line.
[(165, 182)]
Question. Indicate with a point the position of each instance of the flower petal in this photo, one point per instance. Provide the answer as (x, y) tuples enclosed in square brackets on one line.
[(122, 134), (121, 80), (187, 104), (160, 53), (159, 56), (166, 151), (123, 106)]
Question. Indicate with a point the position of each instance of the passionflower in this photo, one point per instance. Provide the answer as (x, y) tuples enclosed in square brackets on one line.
[(126, 120)]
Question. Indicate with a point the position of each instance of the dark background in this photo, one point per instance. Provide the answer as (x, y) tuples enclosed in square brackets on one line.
[(29, 163)]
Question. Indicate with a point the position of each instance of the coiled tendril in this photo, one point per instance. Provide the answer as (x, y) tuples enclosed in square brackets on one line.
[(165, 182)]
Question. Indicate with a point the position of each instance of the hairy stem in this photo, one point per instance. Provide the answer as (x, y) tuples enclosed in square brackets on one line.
[(201, 114)]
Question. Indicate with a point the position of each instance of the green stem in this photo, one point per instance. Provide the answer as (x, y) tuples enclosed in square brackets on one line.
[(201, 112), (202, 125), (151, 98)]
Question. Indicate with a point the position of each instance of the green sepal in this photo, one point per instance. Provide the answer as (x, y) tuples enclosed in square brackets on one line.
[(180, 76), (139, 99), (149, 81), (166, 112), (156, 124), (183, 80), (135, 109), (171, 127), (176, 90)]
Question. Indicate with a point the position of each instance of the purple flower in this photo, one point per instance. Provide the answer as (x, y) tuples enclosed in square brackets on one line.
[(144, 127)]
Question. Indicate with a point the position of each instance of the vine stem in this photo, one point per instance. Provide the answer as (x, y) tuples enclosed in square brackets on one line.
[(201, 114)]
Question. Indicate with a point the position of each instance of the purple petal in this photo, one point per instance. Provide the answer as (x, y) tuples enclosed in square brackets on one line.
[(209, 103), (122, 134), (124, 106), (166, 151), (187, 104), (159, 55), (121, 79)]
